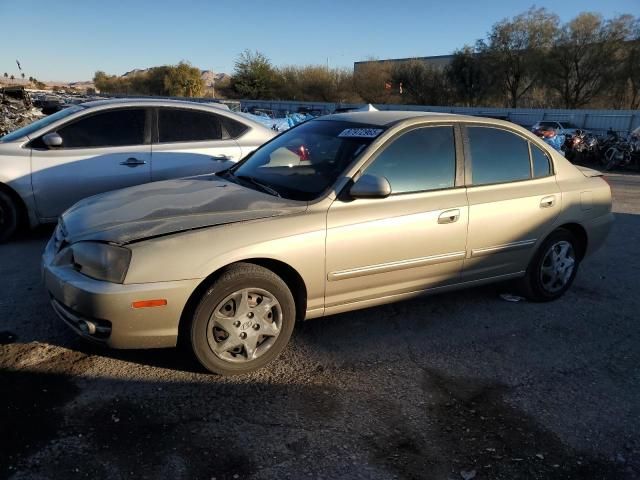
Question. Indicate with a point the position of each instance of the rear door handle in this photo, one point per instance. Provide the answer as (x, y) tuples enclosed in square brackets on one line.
[(133, 162), (449, 216), (547, 202)]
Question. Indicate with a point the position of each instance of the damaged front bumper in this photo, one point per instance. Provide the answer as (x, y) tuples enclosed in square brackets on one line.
[(103, 312)]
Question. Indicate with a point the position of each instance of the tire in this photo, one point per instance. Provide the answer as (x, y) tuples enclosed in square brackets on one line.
[(230, 332), (538, 284), (8, 217)]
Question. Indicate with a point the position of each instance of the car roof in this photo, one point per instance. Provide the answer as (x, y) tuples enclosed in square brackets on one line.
[(219, 108), (158, 102), (387, 118)]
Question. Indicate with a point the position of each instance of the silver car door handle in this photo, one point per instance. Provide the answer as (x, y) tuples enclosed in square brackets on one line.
[(133, 162), (449, 216), (547, 202), (221, 158)]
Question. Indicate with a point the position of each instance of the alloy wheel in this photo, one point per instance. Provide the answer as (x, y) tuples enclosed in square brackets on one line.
[(557, 266)]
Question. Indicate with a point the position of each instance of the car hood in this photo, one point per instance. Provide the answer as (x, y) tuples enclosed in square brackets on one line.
[(161, 208)]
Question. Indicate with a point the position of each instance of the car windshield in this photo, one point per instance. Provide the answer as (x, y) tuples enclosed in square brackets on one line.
[(303, 162), (38, 124)]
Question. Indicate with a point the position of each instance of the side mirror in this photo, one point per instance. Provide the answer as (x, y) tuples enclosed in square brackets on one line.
[(370, 186), (52, 139)]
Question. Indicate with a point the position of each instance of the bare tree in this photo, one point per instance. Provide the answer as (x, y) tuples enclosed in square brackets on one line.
[(631, 66), (422, 84), (468, 76), (370, 80), (582, 62), (514, 47)]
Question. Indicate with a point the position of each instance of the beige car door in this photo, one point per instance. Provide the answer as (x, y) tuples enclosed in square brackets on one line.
[(513, 199), (410, 241)]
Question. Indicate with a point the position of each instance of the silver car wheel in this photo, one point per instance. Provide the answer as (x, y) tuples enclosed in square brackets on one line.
[(244, 325), (557, 266)]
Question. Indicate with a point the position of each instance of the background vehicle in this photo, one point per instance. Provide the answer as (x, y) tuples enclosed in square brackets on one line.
[(552, 138), (98, 146), (339, 213), (561, 128)]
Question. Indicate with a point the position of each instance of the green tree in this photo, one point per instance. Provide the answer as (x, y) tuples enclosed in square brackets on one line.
[(515, 48), (12, 77), (6, 75), (183, 80), (254, 76)]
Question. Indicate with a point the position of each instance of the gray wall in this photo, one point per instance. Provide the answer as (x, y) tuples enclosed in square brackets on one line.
[(599, 121)]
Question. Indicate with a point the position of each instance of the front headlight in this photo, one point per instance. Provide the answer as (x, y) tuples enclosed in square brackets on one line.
[(101, 260)]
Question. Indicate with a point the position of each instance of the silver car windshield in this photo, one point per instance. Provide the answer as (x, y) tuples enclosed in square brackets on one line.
[(38, 124), (303, 162)]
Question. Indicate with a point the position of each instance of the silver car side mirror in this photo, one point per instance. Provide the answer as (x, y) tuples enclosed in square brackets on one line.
[(52, 139), (370, 186)]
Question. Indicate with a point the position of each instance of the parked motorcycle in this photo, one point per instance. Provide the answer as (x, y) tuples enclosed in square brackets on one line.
[(581, 147), (623, 154)]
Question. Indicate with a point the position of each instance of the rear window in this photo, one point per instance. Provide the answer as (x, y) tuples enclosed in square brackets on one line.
[(540, 162), (233, 128)]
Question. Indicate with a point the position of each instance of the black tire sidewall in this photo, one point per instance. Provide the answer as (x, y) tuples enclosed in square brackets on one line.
[(232, 281), (9, 214), (534, 288)]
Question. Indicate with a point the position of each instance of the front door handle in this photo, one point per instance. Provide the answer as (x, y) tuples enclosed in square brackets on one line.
[(133, 162), (547, 202), (220, 158), (449, 216)]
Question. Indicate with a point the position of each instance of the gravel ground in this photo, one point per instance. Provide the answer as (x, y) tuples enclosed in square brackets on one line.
[(457, 386)]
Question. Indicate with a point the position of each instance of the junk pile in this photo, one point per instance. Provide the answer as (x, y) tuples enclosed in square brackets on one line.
[(16, 109), (279, 124)]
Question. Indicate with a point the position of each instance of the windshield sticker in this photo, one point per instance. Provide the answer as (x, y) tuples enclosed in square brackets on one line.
[(361, 132)]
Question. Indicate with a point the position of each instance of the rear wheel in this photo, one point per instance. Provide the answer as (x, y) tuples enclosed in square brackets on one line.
[(8, 217), (243, 321), (553, 268)]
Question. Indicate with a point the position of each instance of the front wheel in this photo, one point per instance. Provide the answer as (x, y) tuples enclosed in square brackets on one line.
[(552, 269), (243, 321)]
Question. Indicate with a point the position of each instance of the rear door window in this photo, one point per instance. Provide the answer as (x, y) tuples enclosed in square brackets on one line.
[(175, 125), (113, 128), (497, 156)]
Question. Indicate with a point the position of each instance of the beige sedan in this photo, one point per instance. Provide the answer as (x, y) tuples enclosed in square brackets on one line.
[(340, 213)]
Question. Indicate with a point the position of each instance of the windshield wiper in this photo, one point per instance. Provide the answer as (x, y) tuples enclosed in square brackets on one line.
[(261, 186)]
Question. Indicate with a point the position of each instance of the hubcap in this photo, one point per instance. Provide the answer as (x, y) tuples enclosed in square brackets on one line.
[(557, 266), (244, 325)]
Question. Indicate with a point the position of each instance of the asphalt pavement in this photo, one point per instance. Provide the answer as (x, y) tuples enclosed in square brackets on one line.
[(462, 385)]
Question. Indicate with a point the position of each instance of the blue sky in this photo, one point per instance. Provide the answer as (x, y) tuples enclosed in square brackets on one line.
[(69, 40)]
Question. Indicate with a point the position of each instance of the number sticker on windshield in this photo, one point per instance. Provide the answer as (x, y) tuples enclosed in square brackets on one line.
[(361, 132)]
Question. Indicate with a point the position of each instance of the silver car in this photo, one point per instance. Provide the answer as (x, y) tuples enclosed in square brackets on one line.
[(105, 145), (340, 213)]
